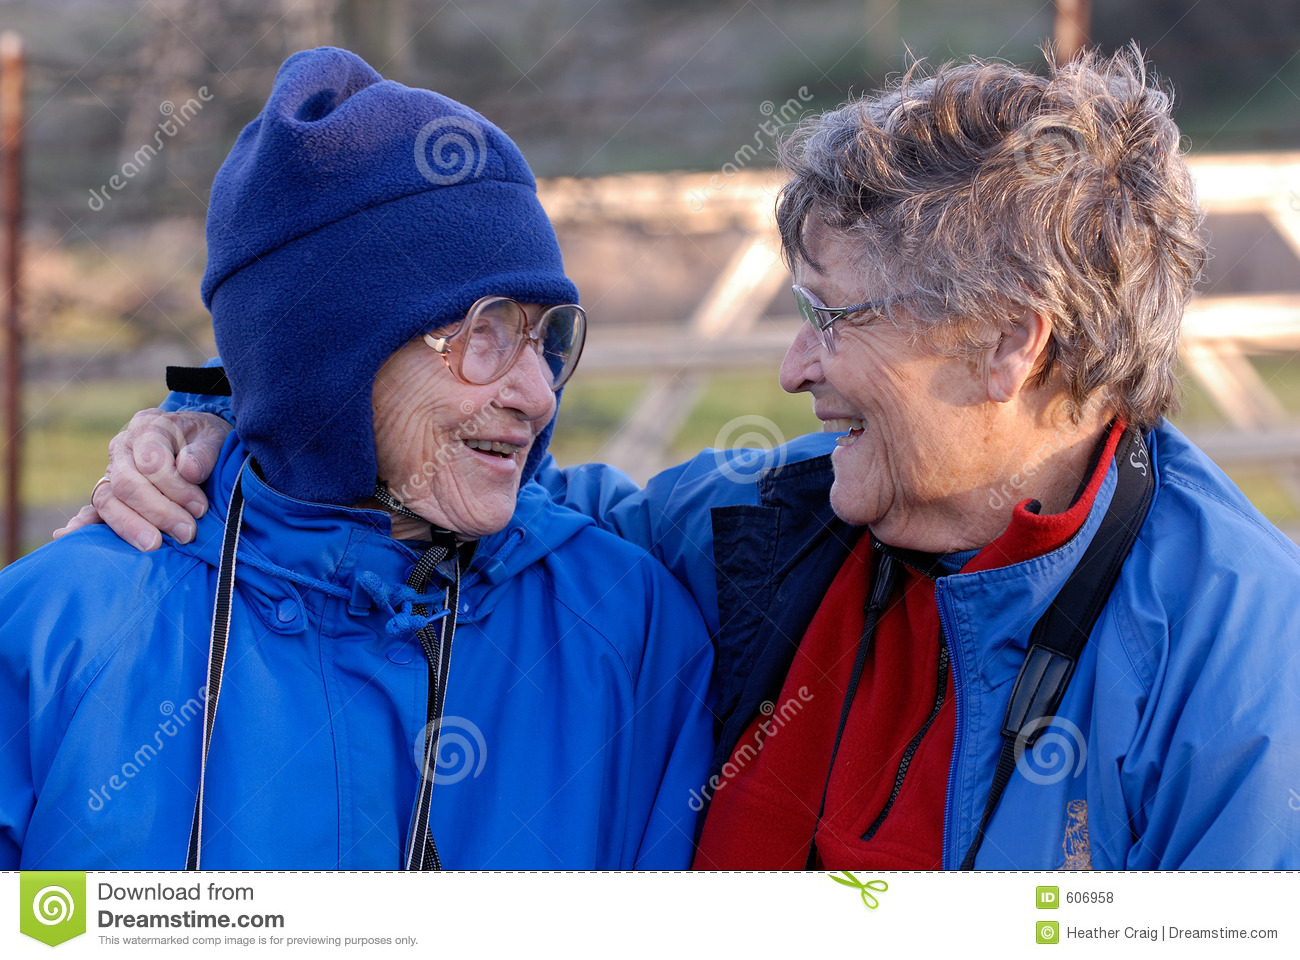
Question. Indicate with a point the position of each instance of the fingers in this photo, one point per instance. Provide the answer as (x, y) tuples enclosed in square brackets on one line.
[(139, 513), (142, 533), (205, 433), (84, 517), (155, 467), (124, 521), (146, 489)]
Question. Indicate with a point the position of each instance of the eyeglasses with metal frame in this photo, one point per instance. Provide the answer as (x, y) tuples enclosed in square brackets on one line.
[(483, 346), (823, 318)]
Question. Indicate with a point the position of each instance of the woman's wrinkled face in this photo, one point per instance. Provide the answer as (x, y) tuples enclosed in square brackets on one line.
[(913, 421), (454, 452)]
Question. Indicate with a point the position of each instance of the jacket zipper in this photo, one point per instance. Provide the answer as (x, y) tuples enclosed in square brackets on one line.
[(906, 762)]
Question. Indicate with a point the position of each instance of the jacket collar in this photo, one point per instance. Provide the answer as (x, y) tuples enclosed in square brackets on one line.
[(325, 548), (988, 615)]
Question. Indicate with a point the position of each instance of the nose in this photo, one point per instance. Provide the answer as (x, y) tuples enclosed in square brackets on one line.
[(801, 367), (526, 388)]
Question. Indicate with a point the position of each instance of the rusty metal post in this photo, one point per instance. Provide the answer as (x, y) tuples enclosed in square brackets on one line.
[(12, 82), (1073, 28)]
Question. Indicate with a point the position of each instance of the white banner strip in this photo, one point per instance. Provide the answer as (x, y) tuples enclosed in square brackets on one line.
[(651, 915)]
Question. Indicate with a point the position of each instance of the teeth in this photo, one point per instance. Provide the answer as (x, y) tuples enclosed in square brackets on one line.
[(494, 446), (843, 425)]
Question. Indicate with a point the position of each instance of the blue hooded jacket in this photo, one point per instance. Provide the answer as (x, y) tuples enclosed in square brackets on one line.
[(574, 729)]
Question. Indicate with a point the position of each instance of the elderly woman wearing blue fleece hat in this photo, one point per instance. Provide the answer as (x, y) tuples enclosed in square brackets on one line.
[(385, 646)]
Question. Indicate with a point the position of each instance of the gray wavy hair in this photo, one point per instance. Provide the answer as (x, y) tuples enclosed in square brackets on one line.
[(984, 187)]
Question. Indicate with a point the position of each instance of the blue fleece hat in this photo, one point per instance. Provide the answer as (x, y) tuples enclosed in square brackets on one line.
[(351, 216)]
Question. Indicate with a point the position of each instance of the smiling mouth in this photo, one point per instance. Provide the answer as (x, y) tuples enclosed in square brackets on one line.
[(851, 427), (494, 447)]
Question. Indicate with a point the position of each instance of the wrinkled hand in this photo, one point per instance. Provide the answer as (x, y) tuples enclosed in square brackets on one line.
[(155, 467)]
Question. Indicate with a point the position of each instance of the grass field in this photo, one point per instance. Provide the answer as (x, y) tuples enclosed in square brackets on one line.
[(68, 427)]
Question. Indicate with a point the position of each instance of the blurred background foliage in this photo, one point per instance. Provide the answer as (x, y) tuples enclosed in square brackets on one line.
[(586, 87)]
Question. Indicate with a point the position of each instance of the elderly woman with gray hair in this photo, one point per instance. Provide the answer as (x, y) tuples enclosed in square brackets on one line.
[(1011, 617)]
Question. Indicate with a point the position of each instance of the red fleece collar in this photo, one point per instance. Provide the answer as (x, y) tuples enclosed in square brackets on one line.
[(1030, 535)]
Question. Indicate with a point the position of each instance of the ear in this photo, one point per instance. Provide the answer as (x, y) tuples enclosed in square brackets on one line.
[(1013, 360)]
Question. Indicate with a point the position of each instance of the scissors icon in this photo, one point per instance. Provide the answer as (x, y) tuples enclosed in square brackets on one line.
[(869, 898)]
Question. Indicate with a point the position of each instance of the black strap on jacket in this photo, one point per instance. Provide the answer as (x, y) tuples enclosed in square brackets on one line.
[(209, 381), (442, 557), (882, 587), (1062, 632), (421, 851), (217, 654)]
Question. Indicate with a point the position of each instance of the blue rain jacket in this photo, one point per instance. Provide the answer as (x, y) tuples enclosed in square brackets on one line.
[(1178, 742), (575, 724)]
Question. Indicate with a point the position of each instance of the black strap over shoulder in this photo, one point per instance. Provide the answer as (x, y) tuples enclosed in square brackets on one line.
[(883, 581), (1062, 632), (443, 557), (217, 643), (208, 381)]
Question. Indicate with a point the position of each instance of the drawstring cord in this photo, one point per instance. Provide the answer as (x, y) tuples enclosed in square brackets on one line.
[(400, 602)]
